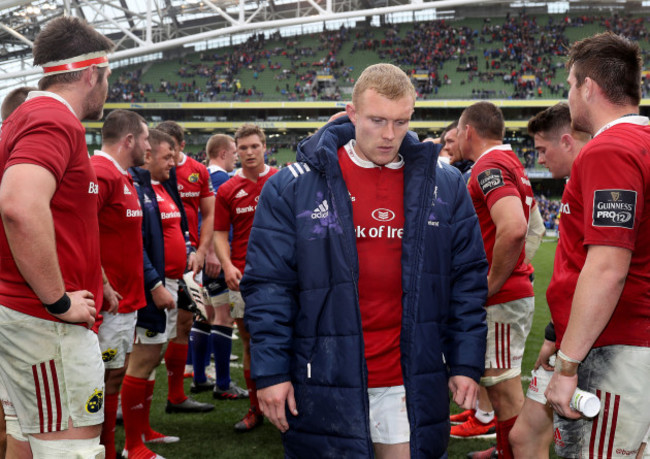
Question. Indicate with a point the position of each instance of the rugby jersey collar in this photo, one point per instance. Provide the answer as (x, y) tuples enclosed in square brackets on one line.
[(630, 119), (349, 148), (34, 94), (111, 159), (503, 146)]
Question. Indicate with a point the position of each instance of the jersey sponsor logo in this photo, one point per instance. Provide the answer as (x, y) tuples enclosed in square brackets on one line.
[(385, 231), (93, 188), (564, 208), (190, 194), (489, 180), (322, 211), (95, 402), (166, 215), (383, 215), (614, 208), (241, 194), (134, 212), (244, 210), (126, 190), (109, 354), (193, 178)]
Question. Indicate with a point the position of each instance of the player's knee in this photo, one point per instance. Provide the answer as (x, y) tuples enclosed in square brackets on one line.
[(493, 380), (74, 449)]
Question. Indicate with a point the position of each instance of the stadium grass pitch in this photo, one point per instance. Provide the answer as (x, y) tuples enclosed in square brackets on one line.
[(210, 435)]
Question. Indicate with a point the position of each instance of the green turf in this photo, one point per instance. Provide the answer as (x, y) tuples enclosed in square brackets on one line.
[(212, 435)]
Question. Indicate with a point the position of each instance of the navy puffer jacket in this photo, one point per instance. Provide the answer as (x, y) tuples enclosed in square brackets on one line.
[(300, 288)]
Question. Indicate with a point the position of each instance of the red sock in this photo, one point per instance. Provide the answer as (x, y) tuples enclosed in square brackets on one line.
[(148, 398), (252, 390), (503, 444), (108, 428), (133, 410), (175, 362)]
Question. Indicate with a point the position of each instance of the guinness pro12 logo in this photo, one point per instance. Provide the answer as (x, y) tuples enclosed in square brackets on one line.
[(614, 208)]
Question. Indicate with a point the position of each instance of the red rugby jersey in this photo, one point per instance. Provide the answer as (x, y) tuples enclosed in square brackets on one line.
[(193, 184), (606, 202), (235, 205), (377, 195), (44, 131), (498, 173), (175, 252), (120, 232)]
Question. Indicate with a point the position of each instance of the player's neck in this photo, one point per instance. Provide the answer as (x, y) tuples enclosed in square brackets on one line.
[(253, 173), (119, 154), (612, 113)]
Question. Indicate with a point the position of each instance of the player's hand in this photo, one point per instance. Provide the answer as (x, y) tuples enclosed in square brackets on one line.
[(273, 400), (212, 266), (232, 276), (464, 391), (559, 392), (547, 350), (162, 298), (111, 298), (82, 308), (195, 262)]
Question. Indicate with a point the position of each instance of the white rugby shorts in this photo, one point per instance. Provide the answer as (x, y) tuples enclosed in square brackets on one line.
[(618, 375), (389, 423), (508, 327), (237, 304), (116, 335), (51, 372), (144, 336)]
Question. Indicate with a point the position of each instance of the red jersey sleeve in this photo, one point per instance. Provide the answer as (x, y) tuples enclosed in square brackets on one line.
[(206, 183), (36, 148), (105, 182), (495, 181), (613, 202), (221, 212)]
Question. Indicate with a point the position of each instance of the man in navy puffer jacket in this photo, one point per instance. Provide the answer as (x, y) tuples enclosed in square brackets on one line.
[(364, 285)]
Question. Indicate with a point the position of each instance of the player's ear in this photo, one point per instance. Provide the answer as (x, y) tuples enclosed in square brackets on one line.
[(352, 113)]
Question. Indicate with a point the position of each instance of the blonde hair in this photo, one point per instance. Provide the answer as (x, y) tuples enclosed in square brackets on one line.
[(388, 80), (216, 143)]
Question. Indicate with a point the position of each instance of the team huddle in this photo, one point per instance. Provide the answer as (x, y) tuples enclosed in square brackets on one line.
[(370, 281)]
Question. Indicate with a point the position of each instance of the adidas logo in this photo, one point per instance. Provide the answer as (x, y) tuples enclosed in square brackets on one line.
[(533, 385), (139, 406), (241, 194), (352, 198), (147, 200), (126, 189), (322, 211), (557, 437)]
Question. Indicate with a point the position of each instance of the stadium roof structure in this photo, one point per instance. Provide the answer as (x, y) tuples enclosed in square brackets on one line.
[(146, 27)]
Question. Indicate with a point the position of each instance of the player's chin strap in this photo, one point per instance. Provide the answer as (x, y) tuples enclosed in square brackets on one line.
[(195, 294), (489, 381)]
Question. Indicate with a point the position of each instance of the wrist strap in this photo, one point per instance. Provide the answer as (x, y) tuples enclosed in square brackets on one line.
[(60, 306), (566, 366), (562, 355), (549, 332)]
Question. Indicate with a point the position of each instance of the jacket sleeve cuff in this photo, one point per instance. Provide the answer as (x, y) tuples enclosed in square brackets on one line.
[(470, 372), (267, 381)]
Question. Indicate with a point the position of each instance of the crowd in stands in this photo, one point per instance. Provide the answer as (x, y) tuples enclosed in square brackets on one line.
[(519, 51), (550, 210)]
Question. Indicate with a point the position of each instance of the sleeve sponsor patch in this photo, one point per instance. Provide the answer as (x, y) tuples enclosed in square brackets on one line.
[(614, 208), (490, 179)]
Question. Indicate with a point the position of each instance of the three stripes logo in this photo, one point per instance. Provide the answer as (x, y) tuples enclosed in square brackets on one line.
[(322, 211)]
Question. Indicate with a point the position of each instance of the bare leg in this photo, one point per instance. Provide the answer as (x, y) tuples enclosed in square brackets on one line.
[(533, 431), (397, 451)]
